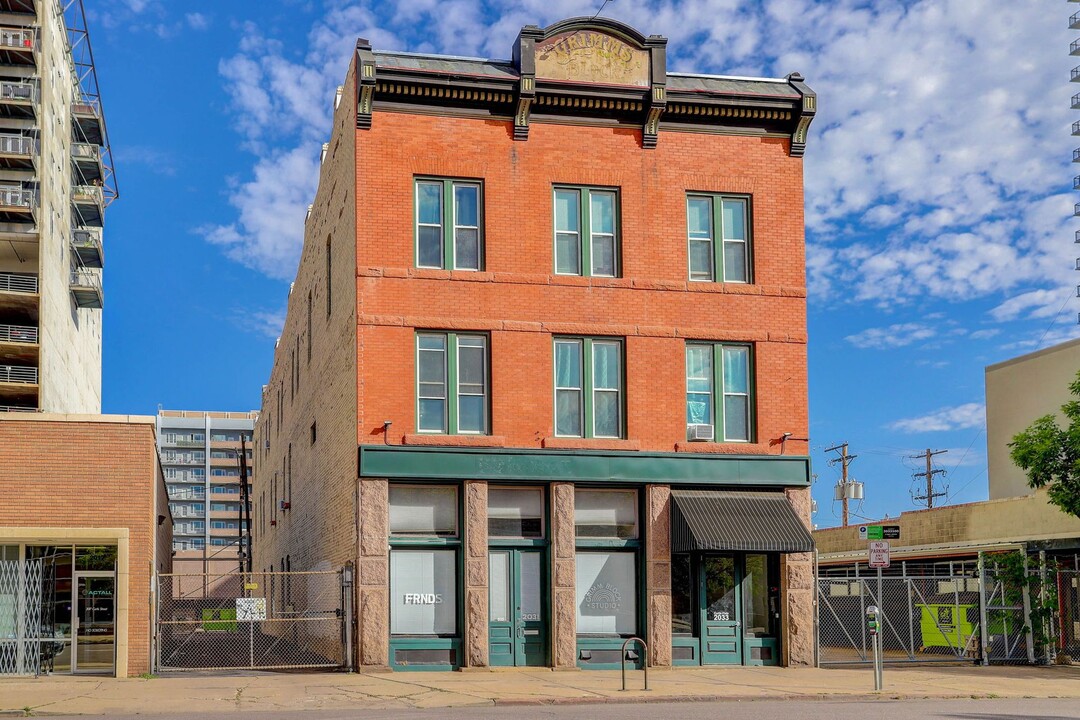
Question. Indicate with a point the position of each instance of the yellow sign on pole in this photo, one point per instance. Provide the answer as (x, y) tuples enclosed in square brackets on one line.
[(251, 586)]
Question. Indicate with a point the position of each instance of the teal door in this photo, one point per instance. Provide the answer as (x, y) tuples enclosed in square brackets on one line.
[(517, 631), (721, 626)]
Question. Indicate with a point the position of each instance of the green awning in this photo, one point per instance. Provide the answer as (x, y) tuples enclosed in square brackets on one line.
[(736, 520)]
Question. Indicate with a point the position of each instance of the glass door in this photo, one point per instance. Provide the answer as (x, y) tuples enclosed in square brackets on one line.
[(517, 631), (94, 622), (721, 635)]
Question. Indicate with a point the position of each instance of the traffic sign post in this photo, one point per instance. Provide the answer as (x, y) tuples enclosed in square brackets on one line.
[(879, 553)]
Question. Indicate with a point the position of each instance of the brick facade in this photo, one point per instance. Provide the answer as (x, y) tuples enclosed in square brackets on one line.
[(88, 480), (365, 393)]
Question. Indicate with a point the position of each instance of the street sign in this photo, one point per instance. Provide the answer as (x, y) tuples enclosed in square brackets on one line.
[(879, 532), (879, 553), (250, 609)]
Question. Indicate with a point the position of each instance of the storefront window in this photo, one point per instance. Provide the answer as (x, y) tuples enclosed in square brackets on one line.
[(515, 513), (606, 593), (605, 514), (423, 511), (95, 558), (423, 592), (758, 595), (682, 595)]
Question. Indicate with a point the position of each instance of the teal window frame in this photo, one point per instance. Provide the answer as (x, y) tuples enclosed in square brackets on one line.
[(718, 392), (452, 385), (585, 234), (587, 385), (448, 230), (718, 238), (630, 545)]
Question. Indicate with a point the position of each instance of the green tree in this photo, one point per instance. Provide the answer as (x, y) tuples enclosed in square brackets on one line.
[(1050, 454)]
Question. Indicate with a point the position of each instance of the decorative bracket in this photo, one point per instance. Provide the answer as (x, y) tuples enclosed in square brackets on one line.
[(805, 115), (365, 83), (657, 101), (525, 59)]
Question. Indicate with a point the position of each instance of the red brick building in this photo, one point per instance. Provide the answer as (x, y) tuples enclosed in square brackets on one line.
[(85, 515), (545, 357)]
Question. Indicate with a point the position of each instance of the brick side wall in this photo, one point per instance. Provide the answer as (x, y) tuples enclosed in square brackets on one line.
[(318, 531), (89, 475)]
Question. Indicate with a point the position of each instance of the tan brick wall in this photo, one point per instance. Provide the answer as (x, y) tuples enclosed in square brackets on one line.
[(1010, 520), (318, 532), (67, 475)]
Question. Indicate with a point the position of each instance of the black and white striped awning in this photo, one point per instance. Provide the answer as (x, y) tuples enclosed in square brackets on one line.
[(736, 520)]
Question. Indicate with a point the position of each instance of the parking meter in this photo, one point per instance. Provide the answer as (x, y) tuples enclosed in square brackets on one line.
[(873, 625), (872, 619)]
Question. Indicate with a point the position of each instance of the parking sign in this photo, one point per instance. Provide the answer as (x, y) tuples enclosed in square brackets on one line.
[(879, 553)]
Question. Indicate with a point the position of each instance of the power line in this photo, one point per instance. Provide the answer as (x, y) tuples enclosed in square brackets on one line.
[(929, 476)]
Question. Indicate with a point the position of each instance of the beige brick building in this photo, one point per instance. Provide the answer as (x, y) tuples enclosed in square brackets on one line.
[(83, 508), (542, 379)]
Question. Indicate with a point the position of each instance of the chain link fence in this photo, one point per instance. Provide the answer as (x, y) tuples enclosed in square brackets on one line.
[(1067, 620), (258, 620), (922, 619)]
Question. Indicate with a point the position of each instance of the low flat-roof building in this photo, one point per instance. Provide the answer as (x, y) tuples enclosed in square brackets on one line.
[(84, 525)]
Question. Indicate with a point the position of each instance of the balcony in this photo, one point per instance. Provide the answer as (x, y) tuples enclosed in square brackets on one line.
[(87, 126), (17, 408), (17, 45), (18, 99), (88, 204), (17, 204), (182, 459), (1074, 22), (18, 283), (87, 245), (19, 344), (86, 289), (1074, 47), (17, 152), (20, 375), (86, 159)]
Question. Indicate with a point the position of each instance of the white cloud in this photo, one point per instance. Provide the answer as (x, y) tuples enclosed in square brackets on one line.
[(931, 170), (893, 336), (969, 415), (267, 323), (271, 209), (985, 334), (197, 21)]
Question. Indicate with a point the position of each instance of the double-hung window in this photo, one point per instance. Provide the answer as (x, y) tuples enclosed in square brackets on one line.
[(449, 229), (588, 388), (586, 231), (719, 245), (451, 383), (719, 386)]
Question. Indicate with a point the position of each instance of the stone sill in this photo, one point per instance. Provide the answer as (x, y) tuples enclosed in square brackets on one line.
[(567, 443), (455, 440), (728, 448)]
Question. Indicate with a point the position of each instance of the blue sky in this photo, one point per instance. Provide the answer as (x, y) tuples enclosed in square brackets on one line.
[(937, 192)]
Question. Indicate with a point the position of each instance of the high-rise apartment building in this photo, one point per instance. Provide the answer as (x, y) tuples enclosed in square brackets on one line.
[(543, 378), (200, 459), (55, 182)]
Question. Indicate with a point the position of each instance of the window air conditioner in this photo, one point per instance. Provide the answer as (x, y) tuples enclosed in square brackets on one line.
[(700, 433)]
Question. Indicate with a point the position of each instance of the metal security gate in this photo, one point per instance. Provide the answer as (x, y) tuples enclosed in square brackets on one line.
[(21, 623), (923, 619), (259, 620)]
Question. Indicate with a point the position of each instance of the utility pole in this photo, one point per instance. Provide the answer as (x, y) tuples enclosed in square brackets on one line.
[(929, 475), (245, 510), (842, 489)]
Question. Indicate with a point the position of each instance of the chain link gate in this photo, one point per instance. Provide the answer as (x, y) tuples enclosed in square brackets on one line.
[(922, 619), (258, 620), (1067, 622)]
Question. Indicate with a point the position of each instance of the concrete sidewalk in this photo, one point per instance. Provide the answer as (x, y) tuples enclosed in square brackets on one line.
[(175, 693)]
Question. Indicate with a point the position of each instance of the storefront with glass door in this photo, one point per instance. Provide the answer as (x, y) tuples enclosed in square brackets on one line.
[(72, 604)]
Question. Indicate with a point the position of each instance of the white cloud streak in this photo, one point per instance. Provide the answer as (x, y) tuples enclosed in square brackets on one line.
[(893, 336), (960, 417)]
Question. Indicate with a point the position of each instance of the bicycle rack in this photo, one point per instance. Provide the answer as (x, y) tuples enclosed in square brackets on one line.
[(645, 657)]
